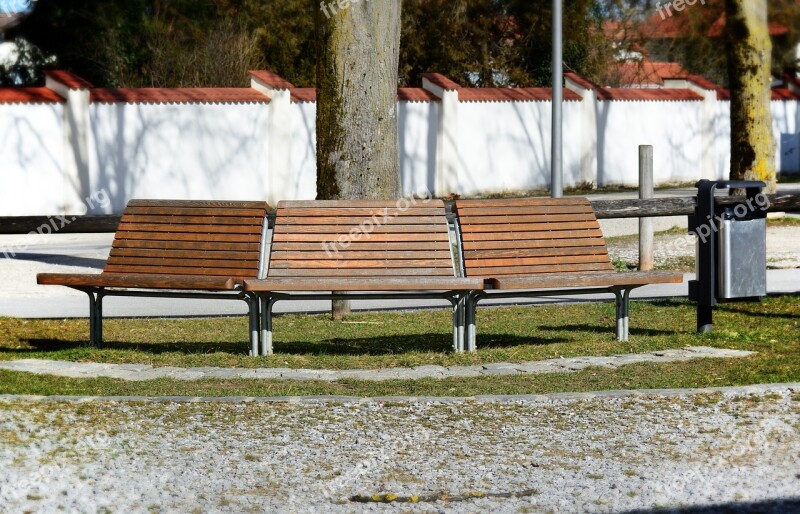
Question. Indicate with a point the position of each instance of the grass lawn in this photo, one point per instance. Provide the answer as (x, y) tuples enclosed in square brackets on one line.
[(389, 339)]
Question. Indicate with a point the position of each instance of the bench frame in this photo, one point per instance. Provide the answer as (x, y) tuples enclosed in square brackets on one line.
[(105, 284), (572, 283), (271, 290)]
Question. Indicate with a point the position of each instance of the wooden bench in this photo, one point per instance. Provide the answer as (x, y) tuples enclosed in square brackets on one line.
[(541, 247), (361, 249), (178, 249)]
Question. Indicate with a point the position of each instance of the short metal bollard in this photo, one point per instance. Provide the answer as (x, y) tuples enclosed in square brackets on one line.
[(731, 248)]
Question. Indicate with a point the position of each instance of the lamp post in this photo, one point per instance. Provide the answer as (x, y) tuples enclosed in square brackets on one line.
[(556, 167)]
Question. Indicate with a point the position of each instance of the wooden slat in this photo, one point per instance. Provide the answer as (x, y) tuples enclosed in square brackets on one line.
[(354, 272), (500, 211), (192, 211), (278, 255), (561, 234), (332, 238), (192, 220), (224, 205), (179, 270), (190, 229), (537, 261), (555, 240), (167, 236), (168, 263), (542, 224), (362, 213), (363, 245), (137, 281), (183, 254), (538, 252), (186, 245), (524, 202), (346, 229), (526, 218), (588, 280), (358, 263), (532, 270), (364, 284), (375, 221), (358, 204)]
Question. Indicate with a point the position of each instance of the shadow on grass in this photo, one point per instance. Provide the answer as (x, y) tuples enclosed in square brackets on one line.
[(372, 346), (639, 331)]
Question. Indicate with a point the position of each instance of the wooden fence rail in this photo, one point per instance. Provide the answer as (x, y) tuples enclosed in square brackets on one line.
[(604, 209)]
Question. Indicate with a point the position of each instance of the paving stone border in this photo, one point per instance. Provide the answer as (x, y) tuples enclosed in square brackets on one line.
[(140, 372)]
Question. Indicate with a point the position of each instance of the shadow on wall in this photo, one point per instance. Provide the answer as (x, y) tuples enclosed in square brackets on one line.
[(178, 151)]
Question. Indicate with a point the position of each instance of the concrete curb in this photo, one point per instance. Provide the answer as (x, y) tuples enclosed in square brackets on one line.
[(754, 389), (142, 372)]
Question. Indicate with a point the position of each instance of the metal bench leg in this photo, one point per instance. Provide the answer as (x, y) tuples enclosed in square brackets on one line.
[(471, 337), (266, 324), (99, 318), (95, 316), (458, 301), (253, 311), (622, 302)]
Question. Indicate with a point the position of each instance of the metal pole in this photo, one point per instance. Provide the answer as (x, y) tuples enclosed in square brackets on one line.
[(645, 191), (556, 182)]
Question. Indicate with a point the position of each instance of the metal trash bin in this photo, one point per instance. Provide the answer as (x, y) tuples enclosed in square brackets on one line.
[(731, 248)]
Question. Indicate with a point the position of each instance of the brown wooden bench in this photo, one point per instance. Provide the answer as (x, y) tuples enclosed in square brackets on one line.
[(361, 249), (178, 249), (541, 247)]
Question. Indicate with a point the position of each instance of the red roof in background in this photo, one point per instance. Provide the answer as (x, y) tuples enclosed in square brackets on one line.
[(649, 73), (304, 94), (653, 94), (437, 79), (506, 94), (416, 94), (271, 79), (29, 95), (69, 79), (177, 95), (679, 24)]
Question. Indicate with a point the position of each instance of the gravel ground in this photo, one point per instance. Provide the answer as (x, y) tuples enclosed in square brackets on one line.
[(783, 247), (601, 454)]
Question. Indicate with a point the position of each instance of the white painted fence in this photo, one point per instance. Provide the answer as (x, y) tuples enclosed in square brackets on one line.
[(259, 143)]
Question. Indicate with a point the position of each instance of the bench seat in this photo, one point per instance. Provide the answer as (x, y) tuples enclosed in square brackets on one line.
[(531, 247), (178, 249), (361, 249)]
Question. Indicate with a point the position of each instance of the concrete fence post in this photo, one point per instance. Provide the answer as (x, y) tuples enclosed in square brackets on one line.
[(279, 165), (446, 180), (645, 191)]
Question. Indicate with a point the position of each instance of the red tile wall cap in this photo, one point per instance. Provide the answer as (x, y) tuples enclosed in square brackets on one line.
[(415, 94), (437, 79), (304, 94), (69, 79), (177, 95), (581, 80), (271, 79), (648, 94), (517, 94), (29, 95), (782, 93)]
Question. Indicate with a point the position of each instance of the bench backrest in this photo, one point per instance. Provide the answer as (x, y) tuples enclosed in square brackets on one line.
[(529, 236), (176, 237), (360, 238)]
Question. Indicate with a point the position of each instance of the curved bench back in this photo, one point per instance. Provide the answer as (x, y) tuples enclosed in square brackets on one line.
[(176, 237), (360, 238), (530, 236)]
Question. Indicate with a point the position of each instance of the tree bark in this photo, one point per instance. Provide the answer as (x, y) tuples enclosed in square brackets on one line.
[(358, 48), (749, 51)]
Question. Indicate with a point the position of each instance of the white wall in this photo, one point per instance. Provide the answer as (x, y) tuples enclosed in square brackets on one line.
[(417, 125), (31, 159), (178, 151), (785, 129), (673, 128)]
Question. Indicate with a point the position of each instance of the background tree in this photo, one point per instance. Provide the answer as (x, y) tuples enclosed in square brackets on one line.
[(357, 69), (749, 57)]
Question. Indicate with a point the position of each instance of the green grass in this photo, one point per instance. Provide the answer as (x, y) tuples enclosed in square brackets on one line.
[(388, 339)]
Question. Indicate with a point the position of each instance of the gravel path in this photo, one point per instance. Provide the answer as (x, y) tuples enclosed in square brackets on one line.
[(597, 453), (783, 247)]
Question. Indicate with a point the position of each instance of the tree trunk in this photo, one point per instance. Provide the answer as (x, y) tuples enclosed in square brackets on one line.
[(358, 47), (749, 65)]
